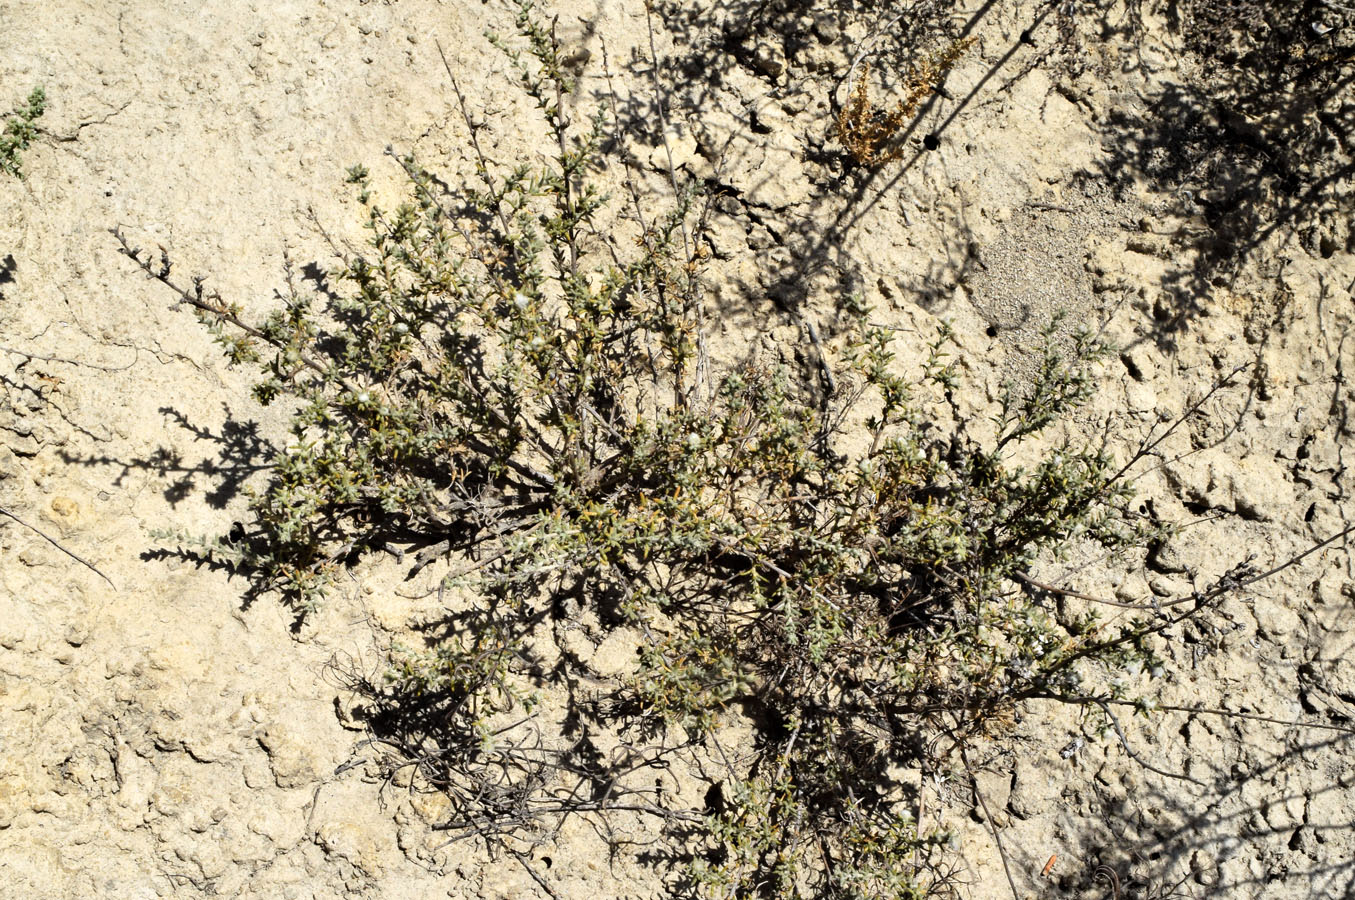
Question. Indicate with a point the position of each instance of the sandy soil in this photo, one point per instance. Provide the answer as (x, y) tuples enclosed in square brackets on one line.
[(160, 736)]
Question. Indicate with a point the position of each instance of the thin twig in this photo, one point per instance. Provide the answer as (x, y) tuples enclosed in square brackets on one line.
[(57, 544), (992, 826), (1124, 742), (1157, 606), (73, 362), (1148, 447), (1107, 874), (1234, 580), (1293, 560), (1227, 713), (689, 253), (1203, 711), (1066, 592), (531, 870), (663, 123), (482, 163), (823, 357), (867, 46)]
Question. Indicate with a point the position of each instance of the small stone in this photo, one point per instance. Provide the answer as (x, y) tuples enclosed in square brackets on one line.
[(1168, 587), (1140, 363), (827, 28), (351, 712), (618, 654), (1255, 486), (576, 644), (1031, 790), (270, 823), (36, 554), (1340, 674), (292, 759), (681, 148), (1205, 869), (769, 59), (760, 238), (431, 806), (1275, 620), (347, 840), (1167, 557), (1140, 397), (575, 58)]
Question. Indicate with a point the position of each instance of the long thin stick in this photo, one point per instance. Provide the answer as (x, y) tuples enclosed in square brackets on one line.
[(1150, 444), (992, 826), (1293, 560), (57, 544), (1124, 742), (1158, 606), (73, 362), (823, 357), (536, 876), (1202, 711)]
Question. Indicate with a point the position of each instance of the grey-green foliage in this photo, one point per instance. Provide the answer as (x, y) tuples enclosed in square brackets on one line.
[(498, 374), (19, 131)]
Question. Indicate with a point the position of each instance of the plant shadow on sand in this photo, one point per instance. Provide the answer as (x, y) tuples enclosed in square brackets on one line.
[(1250, 153), (1174, 839)]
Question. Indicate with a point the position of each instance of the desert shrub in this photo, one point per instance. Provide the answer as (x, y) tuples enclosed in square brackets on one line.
[(513, 373), (19, 132)]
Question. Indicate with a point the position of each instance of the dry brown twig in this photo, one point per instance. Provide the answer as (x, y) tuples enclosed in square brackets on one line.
[(57, 544)]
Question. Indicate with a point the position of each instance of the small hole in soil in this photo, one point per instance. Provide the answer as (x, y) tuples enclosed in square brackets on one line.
[(546, 861), (1312, 511), (991, 331), (931, 141)]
